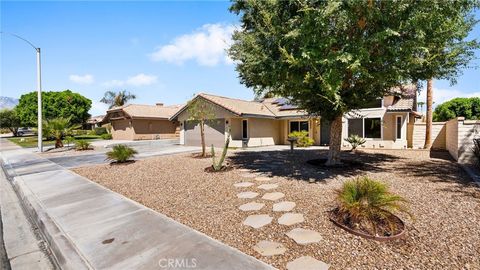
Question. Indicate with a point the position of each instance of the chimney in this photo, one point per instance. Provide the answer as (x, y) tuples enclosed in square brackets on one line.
[(159, 104)]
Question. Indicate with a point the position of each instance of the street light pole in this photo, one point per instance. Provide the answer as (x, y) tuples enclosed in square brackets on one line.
[(39, 91), (39, 102)]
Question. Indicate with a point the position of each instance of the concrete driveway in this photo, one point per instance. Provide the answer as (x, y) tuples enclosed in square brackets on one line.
[(145, 149)]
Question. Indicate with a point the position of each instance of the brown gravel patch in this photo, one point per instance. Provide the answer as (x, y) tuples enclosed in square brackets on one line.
[(445, 233)]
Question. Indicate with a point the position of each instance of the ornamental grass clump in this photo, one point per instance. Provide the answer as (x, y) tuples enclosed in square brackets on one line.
[(121, 153), (367, 205)]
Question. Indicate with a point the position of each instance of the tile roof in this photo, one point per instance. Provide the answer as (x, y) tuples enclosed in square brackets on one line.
[(403, 104), (147, 111), (239, 106)]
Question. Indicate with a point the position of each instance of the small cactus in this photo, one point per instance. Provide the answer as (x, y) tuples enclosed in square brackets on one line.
[(218, 166)]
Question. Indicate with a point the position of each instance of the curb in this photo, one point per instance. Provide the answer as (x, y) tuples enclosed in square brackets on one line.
[(65, 255)]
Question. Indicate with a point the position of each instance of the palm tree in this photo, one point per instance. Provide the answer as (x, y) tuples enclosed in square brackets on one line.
[(57, 128), (428, 129), (117, 99), (421, 104)]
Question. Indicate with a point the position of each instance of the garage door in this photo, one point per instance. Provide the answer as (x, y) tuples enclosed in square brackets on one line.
[(214, 133)]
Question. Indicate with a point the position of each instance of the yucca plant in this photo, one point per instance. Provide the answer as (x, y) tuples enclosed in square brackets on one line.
[(121, 153), (368, 203), (355, 141), (81, 145)]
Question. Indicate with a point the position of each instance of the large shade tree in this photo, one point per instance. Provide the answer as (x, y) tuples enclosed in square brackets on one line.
[(64, 104), (328, 57), (117, 99), (9, 119)]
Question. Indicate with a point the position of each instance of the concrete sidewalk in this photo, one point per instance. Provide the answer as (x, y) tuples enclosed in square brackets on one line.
[(91, 227)]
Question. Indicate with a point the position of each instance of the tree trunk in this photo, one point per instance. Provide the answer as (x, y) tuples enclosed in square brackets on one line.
[(202, 135), (58, 143), (428, 128), (335, 142)]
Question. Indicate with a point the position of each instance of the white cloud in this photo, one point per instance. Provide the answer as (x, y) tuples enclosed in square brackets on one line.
[(85, 79), (207, 46), (137, 80), (98, 108), (442, 95)]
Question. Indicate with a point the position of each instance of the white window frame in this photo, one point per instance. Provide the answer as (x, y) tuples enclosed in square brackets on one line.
[(401, 127), (248, 129)]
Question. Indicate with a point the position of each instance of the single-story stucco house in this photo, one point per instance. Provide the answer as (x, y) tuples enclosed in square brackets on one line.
[(143, 122), (384, 123)]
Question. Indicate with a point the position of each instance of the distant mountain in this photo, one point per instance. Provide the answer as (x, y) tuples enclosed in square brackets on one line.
[(8, 102)]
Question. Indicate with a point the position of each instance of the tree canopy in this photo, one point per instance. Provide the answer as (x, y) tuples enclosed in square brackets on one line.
[(9, 119), (458, 107), (117, 99), (64, 104)]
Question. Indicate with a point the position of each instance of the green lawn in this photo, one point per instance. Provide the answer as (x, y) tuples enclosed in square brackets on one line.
[(31, 141)]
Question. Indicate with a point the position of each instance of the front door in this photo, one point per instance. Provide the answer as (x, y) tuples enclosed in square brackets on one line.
[(324, 132)]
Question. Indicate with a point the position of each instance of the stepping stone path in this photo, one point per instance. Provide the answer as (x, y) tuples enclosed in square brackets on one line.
[(273, 196), (243, 184), (244, 170), (307, 263), (290, 219), (304, 236), (262, 178), (247, 195), (257, 221), (268, 186), (269, 248), (251, 206), (284, 206)]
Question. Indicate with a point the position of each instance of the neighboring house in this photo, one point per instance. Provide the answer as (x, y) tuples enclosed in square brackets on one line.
[(94, 122), (268, 122), (143, 122)]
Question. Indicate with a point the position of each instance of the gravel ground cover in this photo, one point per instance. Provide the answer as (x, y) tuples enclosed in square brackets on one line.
[(445, 233)]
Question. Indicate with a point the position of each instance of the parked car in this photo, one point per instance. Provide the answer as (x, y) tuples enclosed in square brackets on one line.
[(25, 131)]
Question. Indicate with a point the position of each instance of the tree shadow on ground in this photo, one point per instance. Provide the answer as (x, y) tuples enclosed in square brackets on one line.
[(294, 165)]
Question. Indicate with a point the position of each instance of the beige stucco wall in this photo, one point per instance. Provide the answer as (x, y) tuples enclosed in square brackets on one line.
[(451, 138), (143, 129), (261, 131), (438, 135), (467, 130)]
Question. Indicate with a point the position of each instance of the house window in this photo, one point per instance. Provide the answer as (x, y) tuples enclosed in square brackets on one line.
[(373, 128), (244, 129), (398, 123), (365, 127), (298, 126)]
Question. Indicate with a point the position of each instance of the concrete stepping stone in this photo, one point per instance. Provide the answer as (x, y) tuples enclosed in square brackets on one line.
[(251, 206), (247, 195), (268, 186), (244, 170), (243, 184), (307, 263), (304, 236), (273, 196), (284, 206), (257, 221), (290, 219), (269, 248), (263, 178)]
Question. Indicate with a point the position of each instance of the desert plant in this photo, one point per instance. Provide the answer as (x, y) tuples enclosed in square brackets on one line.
[(476, 150), (106, 136), (218, 166), (366, 202), (302, 138), (355, 141), (69, 140), (57, 128), (81, 145), (121, 153)]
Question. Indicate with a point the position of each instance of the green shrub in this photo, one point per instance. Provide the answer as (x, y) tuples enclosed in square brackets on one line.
[(100, 130), (81, 145), (78, 132), (368, 202), (302, 138), (121, 153), (355, 141), (106, 136)]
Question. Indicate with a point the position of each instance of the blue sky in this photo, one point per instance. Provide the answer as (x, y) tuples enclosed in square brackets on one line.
[(161, 51)]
